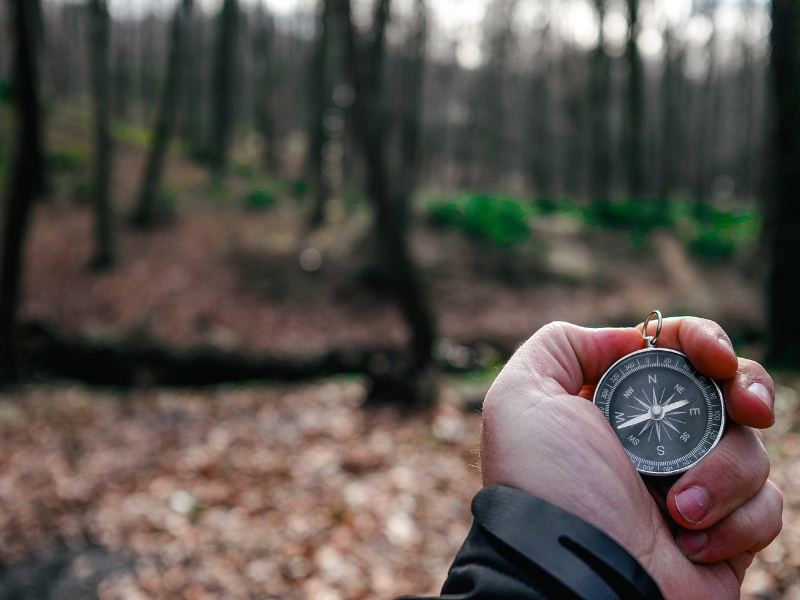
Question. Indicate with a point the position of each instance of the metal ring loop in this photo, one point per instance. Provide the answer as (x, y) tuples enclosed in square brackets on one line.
[(650, 340)]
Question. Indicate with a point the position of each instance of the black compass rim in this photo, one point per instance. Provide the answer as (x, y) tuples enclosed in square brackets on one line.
[(711, 379)]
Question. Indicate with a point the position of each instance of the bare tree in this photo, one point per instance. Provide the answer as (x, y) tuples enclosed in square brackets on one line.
[(104, 250), (600, 115), (26, 181), (145, 214), (389, 192), (784, 286), (223, 87), (264, 89), (635, 106), (321, 98), (541, 151), (670, 135)]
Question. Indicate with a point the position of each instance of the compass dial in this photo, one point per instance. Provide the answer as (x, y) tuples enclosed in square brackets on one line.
[(666, 414)]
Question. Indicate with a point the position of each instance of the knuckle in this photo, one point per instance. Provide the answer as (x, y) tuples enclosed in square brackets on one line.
[(743, 464)]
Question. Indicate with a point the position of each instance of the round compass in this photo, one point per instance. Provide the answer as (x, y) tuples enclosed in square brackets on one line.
[(666, 414)]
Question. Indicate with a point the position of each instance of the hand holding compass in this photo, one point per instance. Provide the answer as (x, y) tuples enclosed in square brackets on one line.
[(542, 434)]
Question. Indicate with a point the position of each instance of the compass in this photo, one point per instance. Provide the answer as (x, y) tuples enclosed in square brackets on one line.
[(666, 414)]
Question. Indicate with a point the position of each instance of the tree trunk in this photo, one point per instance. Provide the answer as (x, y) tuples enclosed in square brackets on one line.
[(263, 102), (322, 97), (145, 214), (26, 180), (784, 285), (670, 136), (192, 128), (390, 198), (635, 106), (104, 251), (223, 87), (599, 97), (541, 147)]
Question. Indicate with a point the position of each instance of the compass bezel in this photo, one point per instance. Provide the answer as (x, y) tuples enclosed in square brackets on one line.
[(627, 357)]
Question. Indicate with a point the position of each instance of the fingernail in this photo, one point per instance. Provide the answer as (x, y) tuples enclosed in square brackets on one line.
[(693, 503), (692, 542), (760, 390), (728, 346)]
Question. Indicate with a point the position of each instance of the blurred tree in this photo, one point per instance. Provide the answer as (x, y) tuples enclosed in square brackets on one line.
[(599, 79), (670, 130), (541, 143), (784, 284), (264, 90), (145, 215), (390, 193), (634, 123), (412, 106), (192, 123), (491, 82), (709, 97), (321, 98), (26, 181), (224, 69), (104, 255)]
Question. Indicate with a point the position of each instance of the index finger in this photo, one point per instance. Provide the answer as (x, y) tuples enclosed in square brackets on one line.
[(704, 342), (748, 390)]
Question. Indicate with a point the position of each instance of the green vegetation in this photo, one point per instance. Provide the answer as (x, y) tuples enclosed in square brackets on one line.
[(505, 220), (261, 198), (500, 219), (5, 92), (67, 160)]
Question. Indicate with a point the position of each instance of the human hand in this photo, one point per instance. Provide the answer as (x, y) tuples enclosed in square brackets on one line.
[(542, 434)]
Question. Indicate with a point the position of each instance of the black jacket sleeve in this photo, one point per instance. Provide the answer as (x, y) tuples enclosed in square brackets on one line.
[(521, 547)]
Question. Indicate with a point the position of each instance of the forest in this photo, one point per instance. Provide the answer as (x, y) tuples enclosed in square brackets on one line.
[(261, 260)]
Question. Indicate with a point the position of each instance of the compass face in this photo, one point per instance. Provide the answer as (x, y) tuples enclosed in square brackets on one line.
[(665, 413)]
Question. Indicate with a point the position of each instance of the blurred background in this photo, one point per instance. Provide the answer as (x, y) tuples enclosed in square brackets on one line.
[(261, 261)]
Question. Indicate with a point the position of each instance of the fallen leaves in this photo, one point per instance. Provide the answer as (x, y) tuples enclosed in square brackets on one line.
[(270, 491), (237, 492)]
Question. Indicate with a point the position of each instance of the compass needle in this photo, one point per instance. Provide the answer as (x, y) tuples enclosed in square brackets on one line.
[(634, 421)]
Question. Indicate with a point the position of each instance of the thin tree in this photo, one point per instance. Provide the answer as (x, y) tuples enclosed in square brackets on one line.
[(264, 89), (144, 215), (599, 78), (670, 136), (784, 285), (635, 106), (223, 87), (27, 180), (541, 152), (321, 97), (104, 255), (390, 198)]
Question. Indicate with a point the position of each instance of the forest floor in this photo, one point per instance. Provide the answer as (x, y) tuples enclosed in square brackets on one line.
[(225, 272), (295, 491), (264, 491)]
